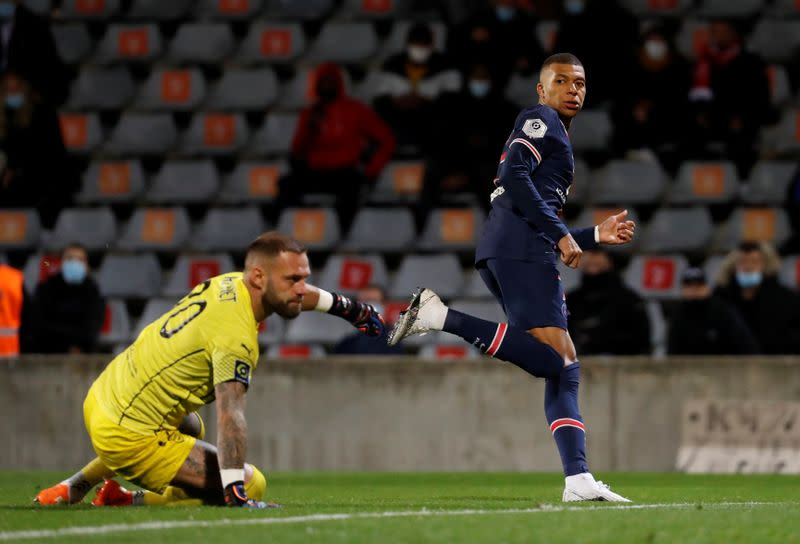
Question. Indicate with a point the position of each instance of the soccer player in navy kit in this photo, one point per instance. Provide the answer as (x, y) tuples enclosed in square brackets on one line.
[(516, 257)]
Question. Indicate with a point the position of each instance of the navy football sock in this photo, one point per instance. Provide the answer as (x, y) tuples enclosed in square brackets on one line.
[(505, 342), (564, 418)]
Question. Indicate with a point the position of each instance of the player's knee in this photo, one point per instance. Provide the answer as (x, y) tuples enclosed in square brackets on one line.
[(193, 425), (255, 483)]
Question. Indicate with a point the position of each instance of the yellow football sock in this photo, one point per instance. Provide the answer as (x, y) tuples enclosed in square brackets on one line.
[(172, 496), (95, 472), (256, 488)]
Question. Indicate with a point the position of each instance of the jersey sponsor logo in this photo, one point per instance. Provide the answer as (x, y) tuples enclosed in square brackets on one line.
[(227, 290), (241, 372), (534, 128)]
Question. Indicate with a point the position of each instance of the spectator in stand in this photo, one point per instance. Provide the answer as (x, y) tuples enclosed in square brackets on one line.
[(411, 82), (721, 114), (361, 344), (748, 279), (605, 316), (792, 246), (34, 165), (339, 146), (68, 310), (28, 49), (500, 34), (705, 324), (647, 115)]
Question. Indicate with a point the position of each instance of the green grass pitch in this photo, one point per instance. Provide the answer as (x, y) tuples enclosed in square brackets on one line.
[(448, 508)]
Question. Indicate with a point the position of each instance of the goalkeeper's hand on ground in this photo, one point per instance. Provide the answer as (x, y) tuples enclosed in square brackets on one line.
[(362, 315), (236, 496)]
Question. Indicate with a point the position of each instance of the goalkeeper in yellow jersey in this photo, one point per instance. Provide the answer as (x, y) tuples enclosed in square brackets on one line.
[(141, 411)]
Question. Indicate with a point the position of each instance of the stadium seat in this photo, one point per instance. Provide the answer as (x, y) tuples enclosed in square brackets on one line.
[(89, 9), (192, 269), (571, 278), (373, 9), (779, 87), (201, 43), (705, 183), (344, 42), (769, 182), (40, 7), (111, 182), (129, 43), (521, 89), (474, 287), (73, 41), (783, 139), (447, 352), (729, 8), (153, 310), (274, 137), (754, 224), (296, 94), (158, 10), (81, 132), (450, 229), (317, 328), (656, 277), (349, 273), (316, 229), (129, 276), (272, 43), (252, 181), (172, 90), (399, 182), (658, 328), (143, 134), (442, 273), (622, 182), (692, 38), (711, 267), (775, 40), (156, 229), (546, 34), (95, 228), (241, 89), (369, 88), (677, 229), (396, 41), (291, 9), (592, 132), (19, 228), (784, 8), (790, 272), (184, 182), (229, 9), (116, 326), (596, 215), (271, 331), (657, 8), (101, 89), (215, 134), (38, 267), (381, 229), (228, 229), (295, 351)]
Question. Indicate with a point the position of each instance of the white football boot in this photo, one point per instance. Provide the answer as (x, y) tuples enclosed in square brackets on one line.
[(583, 487), (425, 313)]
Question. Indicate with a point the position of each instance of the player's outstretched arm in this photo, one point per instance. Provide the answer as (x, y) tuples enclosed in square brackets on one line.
[(362, 315), (616, 229)]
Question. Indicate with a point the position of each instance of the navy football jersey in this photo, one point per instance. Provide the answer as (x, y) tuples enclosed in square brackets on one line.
[(533, 180)]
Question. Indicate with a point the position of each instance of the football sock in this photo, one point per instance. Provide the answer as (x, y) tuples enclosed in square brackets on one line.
[(506, 342), (86, 478), (172, 496), (564, 418)]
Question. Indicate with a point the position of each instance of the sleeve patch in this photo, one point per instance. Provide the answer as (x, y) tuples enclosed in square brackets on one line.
[(241, 372), (534, 128)]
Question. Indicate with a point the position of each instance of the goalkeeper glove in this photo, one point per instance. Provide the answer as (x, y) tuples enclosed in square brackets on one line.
[(236, 496), (363, 316)]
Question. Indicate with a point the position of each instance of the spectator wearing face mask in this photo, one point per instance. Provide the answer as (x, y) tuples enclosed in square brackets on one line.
[(410, 84), (361, 344), (339, 146), (68, 310), (748, 279), (705, 324)]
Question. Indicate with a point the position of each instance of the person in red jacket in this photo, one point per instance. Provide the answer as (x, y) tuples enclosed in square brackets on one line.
[(339, 146)]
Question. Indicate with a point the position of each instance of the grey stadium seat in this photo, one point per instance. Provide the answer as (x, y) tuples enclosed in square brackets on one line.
[(657, 276), (729, 8), (317, 327), (452, 229), (571, 278), (521, 89), (780, 89), (143, 134), (190, 270), (272, 43), (776, 40), (229, 10), (790, 272), (241, 89), (271, 331), (474, 287), (129, 43), (381, 229), (399, 182), (769, 182), (253, 181), (184, 182), (784, 8), (681, 229), (582, 182), (317, 229), (372, 9), (129, 276), (91, 10), (204, 43), (215, 134), (349, 273), (158, 10), (591, 132), (116, 327), (783, 139), (80, 132), (759, 224), (153, 310), (546, 33), (627, 182), (73, 41), (101, 89), (230, 229), (658, 328), (111, 182), (344, 43), (442, 273), (274, 137), (291, 9), (705, 183), (172, 90), (711, 267), (19, 228), (95, 228), (156, 229)]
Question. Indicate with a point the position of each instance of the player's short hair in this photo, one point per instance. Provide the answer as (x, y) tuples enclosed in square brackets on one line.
[(271, 244), (562, 58)]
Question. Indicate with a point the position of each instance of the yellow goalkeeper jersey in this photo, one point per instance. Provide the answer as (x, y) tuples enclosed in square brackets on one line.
[(210, 336)]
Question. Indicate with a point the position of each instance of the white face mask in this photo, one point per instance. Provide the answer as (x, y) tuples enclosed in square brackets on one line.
[(656, 49), (419, 53)]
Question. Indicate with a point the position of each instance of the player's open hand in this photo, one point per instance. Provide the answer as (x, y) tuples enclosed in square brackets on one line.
[(570, 251), (616, 229)]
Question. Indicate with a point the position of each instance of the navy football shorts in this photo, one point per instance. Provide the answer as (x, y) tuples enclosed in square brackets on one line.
[(531, 293)]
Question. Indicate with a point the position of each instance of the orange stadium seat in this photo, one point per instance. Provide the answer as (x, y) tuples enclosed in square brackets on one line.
[(19, 228)]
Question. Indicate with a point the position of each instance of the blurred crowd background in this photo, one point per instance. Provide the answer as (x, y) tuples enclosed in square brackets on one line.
[(145, 143)]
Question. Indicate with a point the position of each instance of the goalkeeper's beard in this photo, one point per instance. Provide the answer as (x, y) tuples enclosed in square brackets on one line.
[(285, 309)]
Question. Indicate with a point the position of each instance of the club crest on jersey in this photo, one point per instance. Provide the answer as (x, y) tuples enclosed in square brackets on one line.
[(534, 128)]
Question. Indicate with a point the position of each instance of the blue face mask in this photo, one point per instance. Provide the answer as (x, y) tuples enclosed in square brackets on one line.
[(74, 272), (7, 10), (15, 101), (479, 88), (748, 279), (574, 7), (504, 13)]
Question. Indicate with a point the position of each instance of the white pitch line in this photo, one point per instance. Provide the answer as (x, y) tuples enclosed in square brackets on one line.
[(228, 522)]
